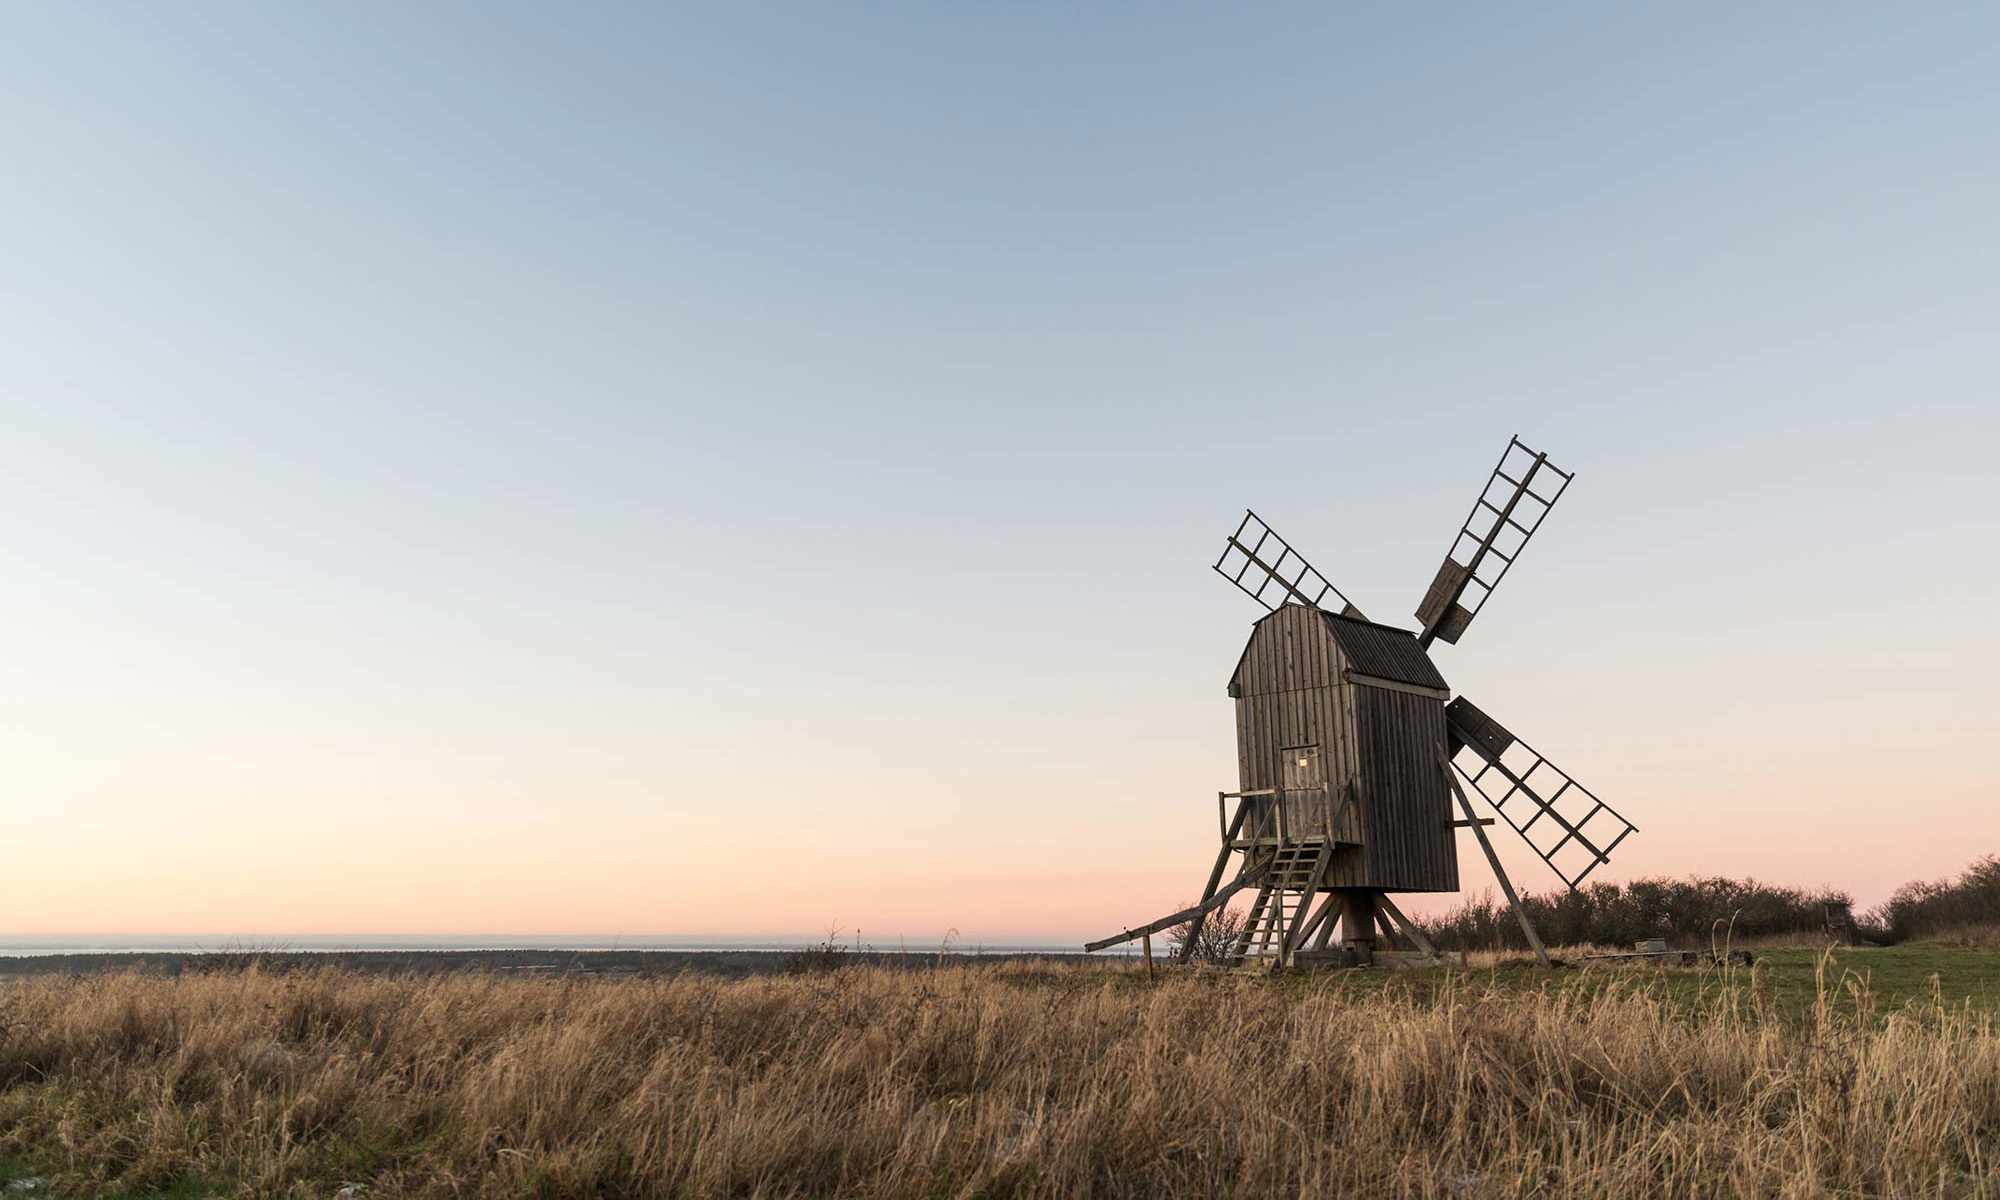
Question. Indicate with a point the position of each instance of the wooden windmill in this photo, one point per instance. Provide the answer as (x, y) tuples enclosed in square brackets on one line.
[(1351, 749)]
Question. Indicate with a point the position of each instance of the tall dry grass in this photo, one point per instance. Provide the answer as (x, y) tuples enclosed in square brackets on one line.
[(984, 1081)]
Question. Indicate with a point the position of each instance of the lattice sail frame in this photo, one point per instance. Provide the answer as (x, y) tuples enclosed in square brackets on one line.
[(1295, 578), (1491, 533), (1588, 828)]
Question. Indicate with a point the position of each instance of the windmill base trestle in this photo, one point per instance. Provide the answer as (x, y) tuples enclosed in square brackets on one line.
[(1297, 920), (1320, 928)]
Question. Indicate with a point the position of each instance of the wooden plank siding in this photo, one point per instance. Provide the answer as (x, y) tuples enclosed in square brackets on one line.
[(1409, 806), (1291, 691)]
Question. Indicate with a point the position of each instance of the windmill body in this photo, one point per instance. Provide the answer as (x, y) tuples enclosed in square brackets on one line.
[(1336, 724), (1355, 764)]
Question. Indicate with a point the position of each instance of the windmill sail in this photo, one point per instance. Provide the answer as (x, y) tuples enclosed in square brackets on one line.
[(1509, 510), (1560, 819), (1264, 567)]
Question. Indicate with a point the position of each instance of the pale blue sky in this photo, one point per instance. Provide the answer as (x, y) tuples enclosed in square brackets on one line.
[(501, 467)]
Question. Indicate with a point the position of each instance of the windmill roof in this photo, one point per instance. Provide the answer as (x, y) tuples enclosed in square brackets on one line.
[(1383, 651)]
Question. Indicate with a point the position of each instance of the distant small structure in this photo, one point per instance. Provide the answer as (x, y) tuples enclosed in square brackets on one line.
[(1351, 750), (1840, 923)]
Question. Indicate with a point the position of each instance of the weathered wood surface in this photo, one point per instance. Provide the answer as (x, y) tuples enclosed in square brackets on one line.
[(1444, 590), (1417, 959), (1329, 920), (1383, 651), (1409, 841), (1356, 677), (1317, 927), (1292, 698), (1414, 935), (1299, 689), (1321, 958)]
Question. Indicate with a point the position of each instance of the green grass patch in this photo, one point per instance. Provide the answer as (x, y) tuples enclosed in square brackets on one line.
[(1790, 981)]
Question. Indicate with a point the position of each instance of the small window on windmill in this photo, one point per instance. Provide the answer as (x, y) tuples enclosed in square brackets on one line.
[(1298, 768)]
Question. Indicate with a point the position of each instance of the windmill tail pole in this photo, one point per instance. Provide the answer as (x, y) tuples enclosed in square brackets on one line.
[(1235, 885)]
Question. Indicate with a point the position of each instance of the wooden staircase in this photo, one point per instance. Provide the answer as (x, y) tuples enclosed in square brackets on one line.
[(1291, 885)]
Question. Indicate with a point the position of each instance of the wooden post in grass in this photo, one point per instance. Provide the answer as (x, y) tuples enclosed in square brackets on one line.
[(1146, 944)]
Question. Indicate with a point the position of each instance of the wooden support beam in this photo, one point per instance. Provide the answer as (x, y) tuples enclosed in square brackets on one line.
[(1214, 877), (1328, 906), (1146, 947), (1357, 923), (1297, 931), (1492, 859), (1248, 876), (1394, 685), (1407, 926), (1329, 920)]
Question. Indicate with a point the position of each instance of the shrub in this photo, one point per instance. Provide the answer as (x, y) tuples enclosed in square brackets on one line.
[(1929, 909), (1217, 942), (1689, 911), (830, 954)]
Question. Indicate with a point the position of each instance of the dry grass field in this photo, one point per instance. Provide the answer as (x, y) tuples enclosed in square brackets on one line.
[(1798, 1079)]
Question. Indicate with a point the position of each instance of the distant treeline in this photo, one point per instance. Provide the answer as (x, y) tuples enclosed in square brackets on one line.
[(1928, 909), (1695, 909)]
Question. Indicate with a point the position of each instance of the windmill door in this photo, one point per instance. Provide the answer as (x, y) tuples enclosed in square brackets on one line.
[(1301, 784)]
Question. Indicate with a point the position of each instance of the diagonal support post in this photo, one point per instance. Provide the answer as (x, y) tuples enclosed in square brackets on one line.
[(1492, 859), (1317, 923), (1296, 933), (1329, 920), (1214, 878), (1248, 876), (1405, 925)]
